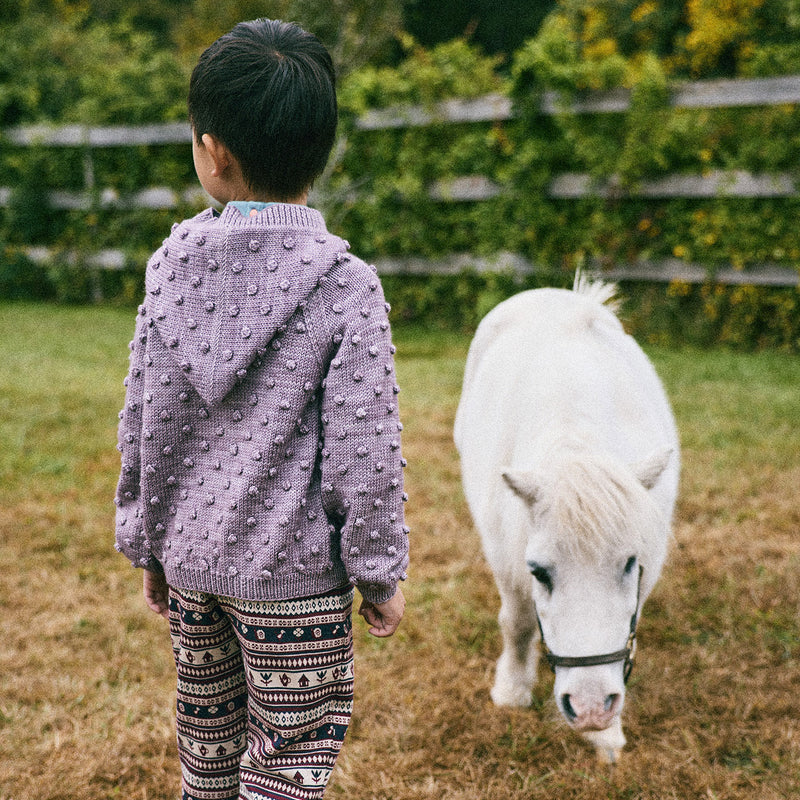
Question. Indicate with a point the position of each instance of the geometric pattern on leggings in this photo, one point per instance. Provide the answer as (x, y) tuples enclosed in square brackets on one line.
[(265, 693)]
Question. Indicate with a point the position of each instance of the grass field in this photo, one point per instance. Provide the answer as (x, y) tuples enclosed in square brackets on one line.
[(713, 709)]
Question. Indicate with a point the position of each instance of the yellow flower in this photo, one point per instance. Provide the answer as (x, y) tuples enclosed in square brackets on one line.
[(679, 288), (642, 11), (603, 48)]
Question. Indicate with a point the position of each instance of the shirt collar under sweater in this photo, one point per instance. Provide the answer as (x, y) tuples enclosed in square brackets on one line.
[(217, 300)]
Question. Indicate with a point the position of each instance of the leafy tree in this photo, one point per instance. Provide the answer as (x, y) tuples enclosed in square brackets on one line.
[(76, 70), (451, 69), (355, 31), (599, 43), (495, 27)]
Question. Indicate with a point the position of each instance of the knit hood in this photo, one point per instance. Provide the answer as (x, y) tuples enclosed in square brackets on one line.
[(219, 293)]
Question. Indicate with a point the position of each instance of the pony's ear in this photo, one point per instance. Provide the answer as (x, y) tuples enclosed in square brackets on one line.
[(524, 484), (649, 471)]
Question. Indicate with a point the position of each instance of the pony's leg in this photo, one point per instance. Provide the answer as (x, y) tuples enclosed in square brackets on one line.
[(516, 668)]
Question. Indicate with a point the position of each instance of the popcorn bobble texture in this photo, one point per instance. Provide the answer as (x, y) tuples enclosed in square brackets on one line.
[(260, 437)]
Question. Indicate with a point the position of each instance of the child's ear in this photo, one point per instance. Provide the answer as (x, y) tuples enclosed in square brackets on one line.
[(221, 157)]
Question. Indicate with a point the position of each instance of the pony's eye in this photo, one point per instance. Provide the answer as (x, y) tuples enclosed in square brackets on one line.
[(629, 565), (542, 574)]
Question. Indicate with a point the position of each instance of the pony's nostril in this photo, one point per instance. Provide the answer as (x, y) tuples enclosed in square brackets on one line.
[(569, 711), (612, 702)]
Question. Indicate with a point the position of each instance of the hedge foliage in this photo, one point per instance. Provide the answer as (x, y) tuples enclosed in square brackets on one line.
[(377, 190)]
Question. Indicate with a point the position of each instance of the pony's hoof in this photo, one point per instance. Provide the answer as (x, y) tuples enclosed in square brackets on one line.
[(509, 696)]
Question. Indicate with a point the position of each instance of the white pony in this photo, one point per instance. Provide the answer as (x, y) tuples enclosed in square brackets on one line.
[(570, 463)]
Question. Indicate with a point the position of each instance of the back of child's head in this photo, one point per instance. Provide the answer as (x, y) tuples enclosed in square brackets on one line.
[(267, 90)]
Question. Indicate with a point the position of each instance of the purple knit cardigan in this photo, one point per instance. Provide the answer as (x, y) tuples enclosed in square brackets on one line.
[(260, 436)]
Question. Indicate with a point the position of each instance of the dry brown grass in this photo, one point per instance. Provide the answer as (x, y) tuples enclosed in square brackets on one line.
[(713, 711)]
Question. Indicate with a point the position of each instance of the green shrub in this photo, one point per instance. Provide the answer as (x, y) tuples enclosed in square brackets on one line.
[(742, 317), (21, 278), (456, 302)]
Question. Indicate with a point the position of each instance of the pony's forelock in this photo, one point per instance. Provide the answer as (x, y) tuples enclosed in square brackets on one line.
[(596, 507)]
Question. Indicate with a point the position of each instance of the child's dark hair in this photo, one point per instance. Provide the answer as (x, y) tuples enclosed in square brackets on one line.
[(267, 90)]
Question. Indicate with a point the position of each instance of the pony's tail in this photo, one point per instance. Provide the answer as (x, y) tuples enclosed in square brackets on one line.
[(602, 292)]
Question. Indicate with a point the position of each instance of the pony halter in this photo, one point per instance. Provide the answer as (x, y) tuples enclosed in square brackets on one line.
[(626, 655)]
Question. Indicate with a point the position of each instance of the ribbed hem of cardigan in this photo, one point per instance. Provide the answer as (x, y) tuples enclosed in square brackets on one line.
[(286, 587)]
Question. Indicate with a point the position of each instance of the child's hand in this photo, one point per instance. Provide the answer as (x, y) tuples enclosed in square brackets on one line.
[(156, 593), (384, 617)]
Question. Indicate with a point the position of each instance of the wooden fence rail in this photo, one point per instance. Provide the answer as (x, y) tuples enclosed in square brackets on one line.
[(470, 188), (489, 108)]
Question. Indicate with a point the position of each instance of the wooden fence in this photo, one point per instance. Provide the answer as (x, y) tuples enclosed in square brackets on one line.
[(490, 108)]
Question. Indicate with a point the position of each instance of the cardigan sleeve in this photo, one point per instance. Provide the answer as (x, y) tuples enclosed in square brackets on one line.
[(362, 464), (131, 537)]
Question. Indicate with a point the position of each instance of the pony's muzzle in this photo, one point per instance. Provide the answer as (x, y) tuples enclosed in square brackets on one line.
[(590, 715)]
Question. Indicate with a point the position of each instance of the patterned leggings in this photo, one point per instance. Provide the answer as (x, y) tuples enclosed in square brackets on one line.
[(265, 693)]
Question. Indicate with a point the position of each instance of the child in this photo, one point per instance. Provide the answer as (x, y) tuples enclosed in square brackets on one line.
[(261, 470)]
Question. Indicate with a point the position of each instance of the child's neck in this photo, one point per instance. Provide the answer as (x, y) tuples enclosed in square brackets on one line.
[(302, 200)]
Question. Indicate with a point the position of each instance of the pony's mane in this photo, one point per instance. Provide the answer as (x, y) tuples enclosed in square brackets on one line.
[(597, 506), (602, 292)]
